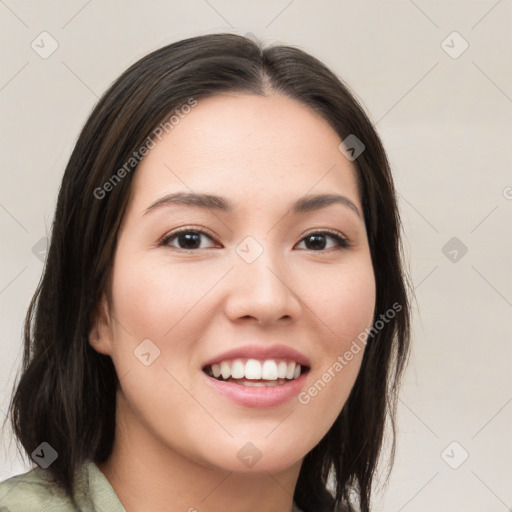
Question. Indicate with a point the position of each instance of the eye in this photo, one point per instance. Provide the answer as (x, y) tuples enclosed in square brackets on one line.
[(187, 239), (316, 240)]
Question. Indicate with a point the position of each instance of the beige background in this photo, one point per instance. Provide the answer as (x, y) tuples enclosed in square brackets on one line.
[(446, 124)]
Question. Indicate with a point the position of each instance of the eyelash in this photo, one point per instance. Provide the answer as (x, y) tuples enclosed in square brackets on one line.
[(343, 243)]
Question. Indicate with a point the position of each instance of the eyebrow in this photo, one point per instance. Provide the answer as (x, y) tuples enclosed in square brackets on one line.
[(208, 201)]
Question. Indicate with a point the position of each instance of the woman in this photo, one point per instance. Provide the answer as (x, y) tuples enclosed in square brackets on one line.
[(223, 318)]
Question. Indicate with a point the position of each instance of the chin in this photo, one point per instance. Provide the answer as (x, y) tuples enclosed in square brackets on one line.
[(258, 456)]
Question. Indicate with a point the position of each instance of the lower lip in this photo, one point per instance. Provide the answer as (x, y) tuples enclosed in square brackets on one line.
[(258, 397)]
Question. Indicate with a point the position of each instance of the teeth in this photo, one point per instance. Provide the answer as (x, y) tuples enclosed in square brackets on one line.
[(268, 370), (281, 369), (225, 370), (290, 371), (262, 384), (253, 369), (238, 369), (216, 370)]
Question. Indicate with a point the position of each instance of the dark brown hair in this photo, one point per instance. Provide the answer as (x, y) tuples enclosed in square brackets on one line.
[(66, 392)]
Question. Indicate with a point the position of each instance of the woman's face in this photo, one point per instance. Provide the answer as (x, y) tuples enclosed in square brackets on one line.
[(258, 286)]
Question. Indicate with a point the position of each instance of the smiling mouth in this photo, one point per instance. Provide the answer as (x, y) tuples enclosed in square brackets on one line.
[(255, 373)]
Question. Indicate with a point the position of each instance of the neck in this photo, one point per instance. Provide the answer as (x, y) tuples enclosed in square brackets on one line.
[(149, 475)]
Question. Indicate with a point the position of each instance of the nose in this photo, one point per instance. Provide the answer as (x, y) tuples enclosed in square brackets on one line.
[(263, 290)]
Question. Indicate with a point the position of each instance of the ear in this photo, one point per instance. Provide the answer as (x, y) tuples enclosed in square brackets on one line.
[(100, 335)]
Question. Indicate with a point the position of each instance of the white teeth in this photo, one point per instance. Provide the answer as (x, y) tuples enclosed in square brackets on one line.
[(290, 371), (253, 384), (269, 370), (253, 369), (238, 369), (216, 370), (261, 384), (225, 370)]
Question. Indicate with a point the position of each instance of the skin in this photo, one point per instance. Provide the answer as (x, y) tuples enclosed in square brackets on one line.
[(176, 438)]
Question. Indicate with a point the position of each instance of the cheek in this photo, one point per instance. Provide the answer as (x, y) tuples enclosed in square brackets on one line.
[(164, 303), (159, 302), (343, 302), (156, 299), (352, 309), (344, 305)]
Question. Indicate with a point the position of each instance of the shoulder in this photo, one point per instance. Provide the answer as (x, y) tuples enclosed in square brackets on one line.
[(33, 491)]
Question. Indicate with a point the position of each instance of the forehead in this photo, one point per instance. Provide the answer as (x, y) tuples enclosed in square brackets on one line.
[(245, 145)]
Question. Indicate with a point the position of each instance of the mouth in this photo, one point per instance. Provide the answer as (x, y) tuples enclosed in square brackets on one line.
[(258, 376), (256, 373)]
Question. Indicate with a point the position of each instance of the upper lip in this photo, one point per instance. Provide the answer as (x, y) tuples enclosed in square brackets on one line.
[(260, 353)]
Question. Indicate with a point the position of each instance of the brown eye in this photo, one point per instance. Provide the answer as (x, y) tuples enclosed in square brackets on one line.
[(187, 239), (317, 241)]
